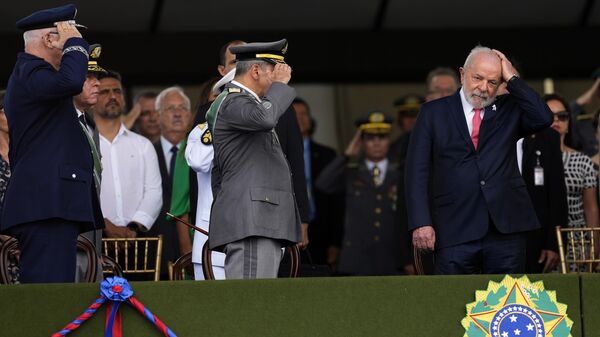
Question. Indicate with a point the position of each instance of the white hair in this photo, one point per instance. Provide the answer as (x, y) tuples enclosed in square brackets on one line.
[(33, 35), (475, 51), (161, 96)]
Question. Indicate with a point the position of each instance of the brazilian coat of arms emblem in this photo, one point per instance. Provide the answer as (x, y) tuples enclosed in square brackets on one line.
[(515, 307)]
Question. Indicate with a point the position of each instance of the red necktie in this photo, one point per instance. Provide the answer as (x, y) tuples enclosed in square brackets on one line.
[(476, 125)]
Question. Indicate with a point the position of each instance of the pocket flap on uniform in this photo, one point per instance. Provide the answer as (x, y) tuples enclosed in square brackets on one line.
[(264, 194), (73, 173)]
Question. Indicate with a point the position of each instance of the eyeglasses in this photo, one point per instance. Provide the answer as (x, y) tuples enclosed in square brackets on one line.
[(562, 116)]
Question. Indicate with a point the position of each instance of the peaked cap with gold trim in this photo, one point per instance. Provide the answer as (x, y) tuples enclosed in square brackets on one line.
[(272, 52), (375, 122)]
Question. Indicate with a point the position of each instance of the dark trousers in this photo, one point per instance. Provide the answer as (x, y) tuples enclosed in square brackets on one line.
[(48, 249), (495, 253)]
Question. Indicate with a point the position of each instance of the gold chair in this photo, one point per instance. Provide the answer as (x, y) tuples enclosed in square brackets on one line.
[(135, 256), (581, 249)]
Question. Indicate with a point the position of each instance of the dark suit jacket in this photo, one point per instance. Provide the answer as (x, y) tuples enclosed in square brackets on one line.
[(471, 187), (550, 199), (290, 139), (327, 227), (162, 226), (51, 164)]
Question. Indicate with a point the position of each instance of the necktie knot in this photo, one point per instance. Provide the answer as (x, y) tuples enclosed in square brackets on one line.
[(376, 171), (82, 119), (174, 150)]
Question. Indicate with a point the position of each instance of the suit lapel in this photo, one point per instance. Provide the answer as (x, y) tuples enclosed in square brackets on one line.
[(458, 115), (489, 123)]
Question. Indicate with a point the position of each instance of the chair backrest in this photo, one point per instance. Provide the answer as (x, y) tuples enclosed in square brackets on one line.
[(9, 259), (579, 249), (135, 256), (181, 266), (85, 245), (9, 252), (110, 267)]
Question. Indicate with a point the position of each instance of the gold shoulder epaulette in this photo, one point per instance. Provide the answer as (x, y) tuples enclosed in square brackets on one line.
[(207, 137), (234, 90)]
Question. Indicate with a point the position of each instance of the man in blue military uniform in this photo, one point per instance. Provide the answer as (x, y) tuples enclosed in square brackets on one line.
[(370, 242), (51, 197)]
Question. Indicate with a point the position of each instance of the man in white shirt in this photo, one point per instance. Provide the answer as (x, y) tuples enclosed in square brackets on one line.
[(131, 192)]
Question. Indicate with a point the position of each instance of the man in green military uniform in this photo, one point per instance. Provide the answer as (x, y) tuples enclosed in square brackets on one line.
[(370, 242)]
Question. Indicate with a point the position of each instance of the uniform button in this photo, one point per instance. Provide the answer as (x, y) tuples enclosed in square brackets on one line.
[(378, 196), (73, 175), (482, 182), (376, 238), (377, 224), (377, 210), (266, 199)]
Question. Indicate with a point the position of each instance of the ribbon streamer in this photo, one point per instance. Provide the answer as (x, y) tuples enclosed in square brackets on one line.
[(113, 291)]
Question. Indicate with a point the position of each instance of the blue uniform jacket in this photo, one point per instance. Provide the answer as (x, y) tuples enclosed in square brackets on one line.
[(470, 186), (51, 162)]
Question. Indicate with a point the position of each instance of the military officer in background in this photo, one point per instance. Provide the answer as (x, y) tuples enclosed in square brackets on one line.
[(51, 196), (370, 182), (83, 104), (254, 212)]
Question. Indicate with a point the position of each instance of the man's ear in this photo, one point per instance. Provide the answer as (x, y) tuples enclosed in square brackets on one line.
[(254, 71), (221, 69)]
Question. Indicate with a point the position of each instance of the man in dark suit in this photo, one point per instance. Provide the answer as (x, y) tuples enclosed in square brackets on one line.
[(480, 207), (51, 197), (325, 211), (542, 170), (173, 106)]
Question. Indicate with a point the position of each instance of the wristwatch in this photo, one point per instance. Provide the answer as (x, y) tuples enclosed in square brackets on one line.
[(133, 226)]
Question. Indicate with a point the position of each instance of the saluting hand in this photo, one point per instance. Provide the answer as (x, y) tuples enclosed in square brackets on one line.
[(353, 148), (66, 30), (508, 71), (282, 73)]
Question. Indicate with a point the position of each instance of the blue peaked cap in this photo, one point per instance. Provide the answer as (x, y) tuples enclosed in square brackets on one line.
[(46, 18)]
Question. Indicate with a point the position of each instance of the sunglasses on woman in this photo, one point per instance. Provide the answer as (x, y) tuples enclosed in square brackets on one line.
[(562, 116)]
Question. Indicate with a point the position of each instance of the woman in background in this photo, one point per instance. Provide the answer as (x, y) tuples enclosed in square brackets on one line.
[(581, 177)]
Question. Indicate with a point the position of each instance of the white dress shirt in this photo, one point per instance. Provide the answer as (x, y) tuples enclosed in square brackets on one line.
[(382, 165), (199, 157), (468, 110), (520, 155), (131, 184)]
